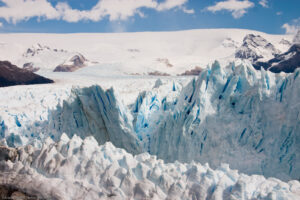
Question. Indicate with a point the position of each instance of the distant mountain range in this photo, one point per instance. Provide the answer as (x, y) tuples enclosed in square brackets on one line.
[(164, 53)]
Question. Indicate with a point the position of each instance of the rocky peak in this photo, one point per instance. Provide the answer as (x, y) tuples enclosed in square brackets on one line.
[(72, 64), (78, 60), (38, 48), (255, 47)]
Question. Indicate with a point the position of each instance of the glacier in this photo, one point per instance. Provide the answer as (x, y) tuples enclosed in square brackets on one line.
[(80, 169), (234, 114)]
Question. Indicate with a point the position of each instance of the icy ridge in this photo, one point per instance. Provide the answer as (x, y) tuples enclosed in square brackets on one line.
[(75, 168), (228, 115)]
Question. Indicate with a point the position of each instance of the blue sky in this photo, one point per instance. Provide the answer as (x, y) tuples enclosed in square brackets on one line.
[(54, 16)]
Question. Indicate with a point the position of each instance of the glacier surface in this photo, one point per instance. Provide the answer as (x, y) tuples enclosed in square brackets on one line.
[(80, 169), (236, 115)]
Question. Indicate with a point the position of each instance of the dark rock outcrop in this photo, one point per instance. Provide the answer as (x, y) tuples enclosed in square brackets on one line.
[(11, 75), (285, 42), (193, 72), (11, 192), (30, 67), (38, 49), (164, 61), (286, 62), (76, 62), (157, 73)]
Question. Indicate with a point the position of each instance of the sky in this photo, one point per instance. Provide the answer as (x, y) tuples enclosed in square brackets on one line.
[(74, 16)]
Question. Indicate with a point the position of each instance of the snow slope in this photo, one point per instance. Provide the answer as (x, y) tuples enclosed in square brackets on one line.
[(80, 169), (132, 53)]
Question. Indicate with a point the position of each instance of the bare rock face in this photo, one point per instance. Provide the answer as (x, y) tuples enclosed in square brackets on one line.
[(164, 61), (157, 73), (193, 72), (30, 67), (11, 75), (76, 62)]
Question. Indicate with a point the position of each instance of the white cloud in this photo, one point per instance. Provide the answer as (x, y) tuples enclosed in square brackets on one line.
[(264, 3), (170, 4), (236, 7), (1, 24), (293, 27), (14, 11), (290, 29), (124, 10), (188, 11), (18, 10), (279, 13)]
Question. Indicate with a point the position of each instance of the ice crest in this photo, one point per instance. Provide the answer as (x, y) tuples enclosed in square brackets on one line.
[(105, 171)]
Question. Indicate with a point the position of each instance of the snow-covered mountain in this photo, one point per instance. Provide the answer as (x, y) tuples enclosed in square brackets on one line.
[(264, 54), (286, 62), (42, 57), (170, 53), (256, 48)]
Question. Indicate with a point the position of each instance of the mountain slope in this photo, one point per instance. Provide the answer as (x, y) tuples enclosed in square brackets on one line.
[(12, 75), (72, 64), (286, 62)]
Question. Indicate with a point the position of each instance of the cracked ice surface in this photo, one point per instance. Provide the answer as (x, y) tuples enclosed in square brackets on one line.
[(76, 169)]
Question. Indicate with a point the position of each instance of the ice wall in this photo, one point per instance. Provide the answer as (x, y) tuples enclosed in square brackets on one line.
[(237, 115)]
